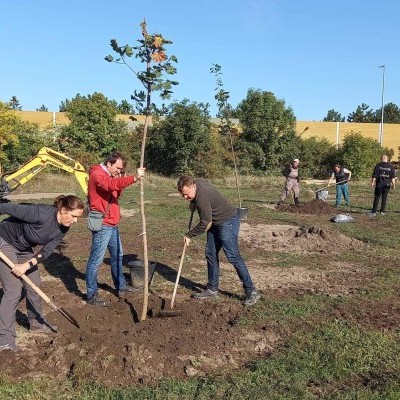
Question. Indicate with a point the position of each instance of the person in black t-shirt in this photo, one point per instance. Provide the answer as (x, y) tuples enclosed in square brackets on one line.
[(383, 178)]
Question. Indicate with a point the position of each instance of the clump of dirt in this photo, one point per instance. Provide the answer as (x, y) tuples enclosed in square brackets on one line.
[(294, 238), (114, 347), (316, 206)]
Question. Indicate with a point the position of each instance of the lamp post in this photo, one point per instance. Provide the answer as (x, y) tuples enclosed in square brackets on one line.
[(383, 91)]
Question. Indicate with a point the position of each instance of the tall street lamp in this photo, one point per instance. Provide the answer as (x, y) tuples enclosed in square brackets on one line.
[(383, 91)]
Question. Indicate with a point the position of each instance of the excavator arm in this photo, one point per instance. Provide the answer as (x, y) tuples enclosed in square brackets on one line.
[(45, 157)]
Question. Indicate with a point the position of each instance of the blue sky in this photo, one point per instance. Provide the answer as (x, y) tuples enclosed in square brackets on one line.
[(315, 55)]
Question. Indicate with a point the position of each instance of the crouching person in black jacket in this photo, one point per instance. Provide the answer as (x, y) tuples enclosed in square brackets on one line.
[(28, 226)]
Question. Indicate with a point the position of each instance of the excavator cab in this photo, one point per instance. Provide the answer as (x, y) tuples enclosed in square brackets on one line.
[(45, 157)]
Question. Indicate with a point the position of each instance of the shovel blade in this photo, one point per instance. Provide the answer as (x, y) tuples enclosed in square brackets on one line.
[(69, 317)]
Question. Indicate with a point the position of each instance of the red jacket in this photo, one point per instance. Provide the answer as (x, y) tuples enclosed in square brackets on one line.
[(104, 189)]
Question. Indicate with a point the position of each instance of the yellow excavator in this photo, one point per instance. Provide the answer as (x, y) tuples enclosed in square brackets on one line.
[(45, 157)]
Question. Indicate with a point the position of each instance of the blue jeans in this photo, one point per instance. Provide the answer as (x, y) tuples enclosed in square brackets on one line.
[(342, 189), (225, 236), (107, 238)]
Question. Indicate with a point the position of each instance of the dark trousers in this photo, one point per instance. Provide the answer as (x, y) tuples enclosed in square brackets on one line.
[(380, 192), (12, 293), (225, 236)]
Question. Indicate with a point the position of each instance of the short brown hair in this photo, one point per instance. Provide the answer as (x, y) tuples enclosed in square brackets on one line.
[(69, 202), (113, 157), (185, 181)]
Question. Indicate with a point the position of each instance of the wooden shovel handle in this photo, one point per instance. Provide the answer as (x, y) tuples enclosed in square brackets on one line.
[(180, 265), (335, 184), (178, 275), (29, 282)]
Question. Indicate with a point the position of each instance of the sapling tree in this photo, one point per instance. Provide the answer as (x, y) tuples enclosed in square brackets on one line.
[(224, 113), (151, 52)]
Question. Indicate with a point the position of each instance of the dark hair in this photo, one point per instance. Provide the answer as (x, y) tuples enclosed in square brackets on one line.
[(336, 165), (69, 202), (185, 181), (113, 157)]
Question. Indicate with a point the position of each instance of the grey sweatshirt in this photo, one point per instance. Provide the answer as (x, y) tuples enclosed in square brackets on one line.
[(212, 207)]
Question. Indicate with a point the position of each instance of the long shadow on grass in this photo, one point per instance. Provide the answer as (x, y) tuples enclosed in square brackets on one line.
[(61, 267), (170, 274)]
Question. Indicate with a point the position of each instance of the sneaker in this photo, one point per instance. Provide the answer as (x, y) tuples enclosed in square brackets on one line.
[(252, 298), (8, 347), (44, 328), (128, 289), (96, 301), (206, 294), (383, 214), (372, 214)]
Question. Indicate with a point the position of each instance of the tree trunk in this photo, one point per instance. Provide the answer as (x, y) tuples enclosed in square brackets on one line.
[(144, 234)]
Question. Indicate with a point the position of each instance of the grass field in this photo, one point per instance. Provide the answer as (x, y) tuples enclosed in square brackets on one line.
[(340, 340)]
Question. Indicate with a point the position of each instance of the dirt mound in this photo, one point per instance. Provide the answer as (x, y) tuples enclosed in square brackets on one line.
[(113, 347), (316, 206), (295, 238)]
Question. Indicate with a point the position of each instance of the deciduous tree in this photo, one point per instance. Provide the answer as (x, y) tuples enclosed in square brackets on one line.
[(152, 53), (93, 128), (264, 119), (360, 154), (224, 113), (178, 140), (8, 128)]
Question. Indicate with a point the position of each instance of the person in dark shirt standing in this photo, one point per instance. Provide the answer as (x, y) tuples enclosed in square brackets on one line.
[(28, 226), (383, 178), (220, 220)]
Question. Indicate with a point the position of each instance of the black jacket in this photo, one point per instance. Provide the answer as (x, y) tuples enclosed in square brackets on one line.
[(30, 225)]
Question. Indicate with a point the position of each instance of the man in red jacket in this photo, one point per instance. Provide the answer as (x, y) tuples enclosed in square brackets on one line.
[(106, 182)]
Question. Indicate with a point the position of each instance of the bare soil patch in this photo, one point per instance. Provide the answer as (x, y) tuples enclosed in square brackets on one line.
[(295, 238), (113, 347), (316, 207)]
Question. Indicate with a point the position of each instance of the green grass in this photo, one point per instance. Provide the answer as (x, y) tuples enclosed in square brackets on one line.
[(320, 355)]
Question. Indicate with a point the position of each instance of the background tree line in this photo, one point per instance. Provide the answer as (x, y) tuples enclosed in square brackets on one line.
[(183, 140), (363, 112)]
